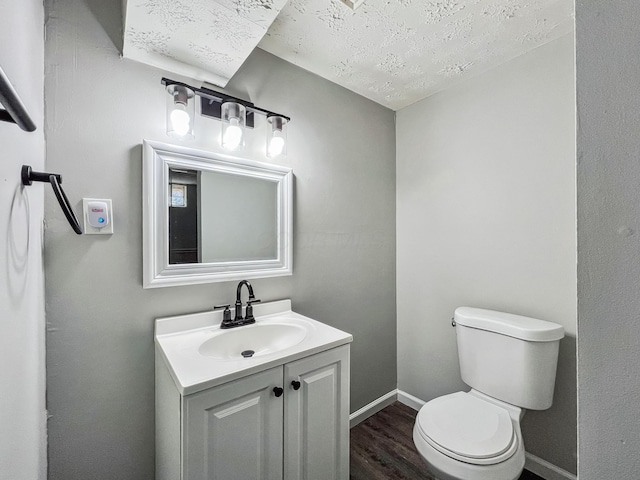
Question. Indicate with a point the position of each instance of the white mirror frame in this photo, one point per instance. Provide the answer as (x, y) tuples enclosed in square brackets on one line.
[(157, 272)]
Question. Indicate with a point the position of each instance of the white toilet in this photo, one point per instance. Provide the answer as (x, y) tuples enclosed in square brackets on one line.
[(509, 361)]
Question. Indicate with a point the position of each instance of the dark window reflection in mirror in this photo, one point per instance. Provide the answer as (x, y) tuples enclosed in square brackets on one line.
[(219, 217), (183, 216)]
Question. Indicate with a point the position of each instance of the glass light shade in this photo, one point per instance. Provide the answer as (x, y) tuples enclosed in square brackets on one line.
[(180, 111), (277, 137), (233, 116)]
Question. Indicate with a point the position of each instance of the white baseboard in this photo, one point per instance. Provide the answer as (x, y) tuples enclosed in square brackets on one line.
[(372, 408), (410, 401), (546, 470)]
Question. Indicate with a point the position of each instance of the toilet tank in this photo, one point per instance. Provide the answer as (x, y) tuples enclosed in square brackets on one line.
[(508, 357)]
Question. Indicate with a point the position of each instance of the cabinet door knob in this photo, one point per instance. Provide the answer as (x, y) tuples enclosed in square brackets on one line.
[(278, 391), (295, 385)]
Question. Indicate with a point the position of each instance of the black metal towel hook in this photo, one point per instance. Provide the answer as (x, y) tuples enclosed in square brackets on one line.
[(29, 176)]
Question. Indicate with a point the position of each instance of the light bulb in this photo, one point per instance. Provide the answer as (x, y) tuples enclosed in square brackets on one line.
[(276, 145), (232, 135), (180, 120), (277, 136)]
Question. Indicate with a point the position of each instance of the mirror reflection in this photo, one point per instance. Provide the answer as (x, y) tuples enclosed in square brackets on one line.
[(221, 217)]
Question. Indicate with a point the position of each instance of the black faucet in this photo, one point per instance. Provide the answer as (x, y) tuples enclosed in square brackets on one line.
[(238, 320), (249, 318)]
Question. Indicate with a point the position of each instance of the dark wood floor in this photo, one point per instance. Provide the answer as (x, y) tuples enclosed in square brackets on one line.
[(382, 448)]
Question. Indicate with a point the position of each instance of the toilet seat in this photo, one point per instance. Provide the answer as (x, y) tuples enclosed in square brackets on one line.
[(467, 428)]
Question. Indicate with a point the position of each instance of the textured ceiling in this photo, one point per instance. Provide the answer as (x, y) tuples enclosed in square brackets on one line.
[(207, 40), (396, 52)]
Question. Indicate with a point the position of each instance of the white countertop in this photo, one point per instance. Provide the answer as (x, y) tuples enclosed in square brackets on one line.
[(178, 340)]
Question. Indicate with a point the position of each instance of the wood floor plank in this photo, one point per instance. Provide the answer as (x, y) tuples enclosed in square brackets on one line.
[(382, 448)]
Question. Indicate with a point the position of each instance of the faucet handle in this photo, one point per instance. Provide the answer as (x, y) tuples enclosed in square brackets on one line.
[(226, 315), (249, 313)]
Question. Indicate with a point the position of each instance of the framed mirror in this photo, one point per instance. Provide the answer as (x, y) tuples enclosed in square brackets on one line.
[(210, 217)]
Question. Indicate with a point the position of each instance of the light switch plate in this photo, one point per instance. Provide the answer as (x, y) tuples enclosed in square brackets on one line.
[(88, 229)]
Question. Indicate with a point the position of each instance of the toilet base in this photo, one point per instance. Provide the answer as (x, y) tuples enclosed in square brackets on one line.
[(446, 468)]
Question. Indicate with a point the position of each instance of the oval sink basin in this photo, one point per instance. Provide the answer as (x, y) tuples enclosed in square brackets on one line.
[(259, 339)]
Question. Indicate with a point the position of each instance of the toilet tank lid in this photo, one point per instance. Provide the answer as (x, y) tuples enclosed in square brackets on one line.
[(517, 326)]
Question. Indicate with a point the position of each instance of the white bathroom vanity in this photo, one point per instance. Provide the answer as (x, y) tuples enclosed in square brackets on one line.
[(279, 412)]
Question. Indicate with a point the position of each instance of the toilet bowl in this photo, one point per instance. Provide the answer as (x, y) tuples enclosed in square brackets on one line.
[(510, 362), (469, 436)]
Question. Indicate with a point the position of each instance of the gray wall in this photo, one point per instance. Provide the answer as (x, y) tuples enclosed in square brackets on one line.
[(486, 218), (608, 73), (100, 341), (22, 330), (239, 218)]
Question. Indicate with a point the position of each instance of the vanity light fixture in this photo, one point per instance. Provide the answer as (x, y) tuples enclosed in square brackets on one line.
[(236, 116), (180, 111), (277, 136)]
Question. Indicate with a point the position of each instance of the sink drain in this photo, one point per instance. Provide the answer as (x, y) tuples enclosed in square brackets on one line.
[(247, 353)]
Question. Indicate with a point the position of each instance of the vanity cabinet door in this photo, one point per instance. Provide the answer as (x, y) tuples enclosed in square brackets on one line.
[(316, 428), (234, 431)]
